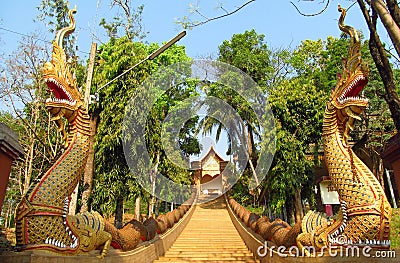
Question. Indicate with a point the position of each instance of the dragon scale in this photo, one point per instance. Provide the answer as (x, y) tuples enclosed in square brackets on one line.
[(48, 200), (367, 210)]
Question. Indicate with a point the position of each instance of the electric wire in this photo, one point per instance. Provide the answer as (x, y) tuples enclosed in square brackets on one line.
[(40, 39)]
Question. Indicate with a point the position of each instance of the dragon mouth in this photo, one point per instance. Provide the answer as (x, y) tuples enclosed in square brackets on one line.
[(351, 93), (60, 93), (59, 244)]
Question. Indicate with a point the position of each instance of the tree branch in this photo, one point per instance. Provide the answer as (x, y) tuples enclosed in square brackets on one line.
[(315, 14), (320, 12), (191, 25)]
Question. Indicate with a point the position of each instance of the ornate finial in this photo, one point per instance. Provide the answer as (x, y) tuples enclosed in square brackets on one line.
[(68, 29), (345, 28), (353, 61)]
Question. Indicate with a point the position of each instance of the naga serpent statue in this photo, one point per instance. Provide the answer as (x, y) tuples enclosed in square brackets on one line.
[(41, 216), (365, 213), (42, 220)]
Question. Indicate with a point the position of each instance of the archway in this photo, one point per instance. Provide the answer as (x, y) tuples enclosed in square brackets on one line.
[(210, 184)]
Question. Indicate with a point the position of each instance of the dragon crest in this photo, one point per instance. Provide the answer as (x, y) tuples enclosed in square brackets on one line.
[(61, 82), (345, 96)]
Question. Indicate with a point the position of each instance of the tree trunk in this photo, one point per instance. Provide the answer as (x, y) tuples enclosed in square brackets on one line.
[(298, 206), (31, 155), (391, 27), (7, 216), (137, 208), (394, 10), (379, 170), (89, 168), (157, 207), (249, 147), (28, 170), (381, 60), (119, 212), (153, 177)]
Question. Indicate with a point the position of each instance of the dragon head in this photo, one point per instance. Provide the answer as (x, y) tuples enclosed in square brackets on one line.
[(345, 96), (61, 83)]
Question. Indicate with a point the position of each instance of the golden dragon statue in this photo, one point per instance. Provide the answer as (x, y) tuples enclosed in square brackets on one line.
[(42, 219), (365, 213), (41, 216)]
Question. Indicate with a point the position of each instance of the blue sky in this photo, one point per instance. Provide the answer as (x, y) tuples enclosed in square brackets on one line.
[(281, 24), (278, 20)]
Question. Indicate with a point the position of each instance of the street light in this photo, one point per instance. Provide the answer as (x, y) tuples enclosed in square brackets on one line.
[(149, 57)]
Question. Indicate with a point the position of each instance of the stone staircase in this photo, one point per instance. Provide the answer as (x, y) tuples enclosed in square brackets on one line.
[(209, 236)]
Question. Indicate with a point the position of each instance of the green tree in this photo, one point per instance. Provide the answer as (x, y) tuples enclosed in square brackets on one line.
[(298, 105), (249, 53), (112, 173), (298, 109), (388, 12)]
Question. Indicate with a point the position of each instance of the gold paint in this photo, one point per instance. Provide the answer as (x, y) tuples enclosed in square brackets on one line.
[(41, 216), (366, 213)]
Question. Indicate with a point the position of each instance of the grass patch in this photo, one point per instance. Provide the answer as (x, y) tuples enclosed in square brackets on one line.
[(255, 209), (395, 229)]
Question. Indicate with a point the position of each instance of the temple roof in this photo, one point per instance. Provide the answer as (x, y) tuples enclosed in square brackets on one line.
[(211, 151)]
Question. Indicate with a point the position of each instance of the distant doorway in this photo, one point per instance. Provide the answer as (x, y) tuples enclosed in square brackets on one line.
[(211, 185)]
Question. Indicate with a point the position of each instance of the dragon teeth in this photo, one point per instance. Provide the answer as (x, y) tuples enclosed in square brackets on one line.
[(73, 245)]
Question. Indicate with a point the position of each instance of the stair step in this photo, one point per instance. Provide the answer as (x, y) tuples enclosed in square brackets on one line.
[(208, 254), (213, 259), (202, 250), (209, 236), (186, 246)]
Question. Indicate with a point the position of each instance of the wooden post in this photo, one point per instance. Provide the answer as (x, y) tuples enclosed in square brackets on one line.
[(74, 196), (92, 56)]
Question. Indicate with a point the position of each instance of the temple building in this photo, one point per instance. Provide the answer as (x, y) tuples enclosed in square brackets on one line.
[(208, 172)]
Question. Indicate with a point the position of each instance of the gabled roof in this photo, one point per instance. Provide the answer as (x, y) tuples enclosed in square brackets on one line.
[(210, 151)]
